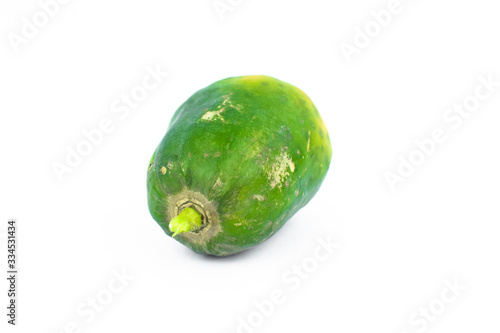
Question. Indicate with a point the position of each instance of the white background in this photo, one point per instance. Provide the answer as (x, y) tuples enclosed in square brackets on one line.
[(397, 248)]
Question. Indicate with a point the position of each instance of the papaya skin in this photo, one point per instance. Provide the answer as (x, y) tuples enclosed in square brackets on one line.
[(246, 153)]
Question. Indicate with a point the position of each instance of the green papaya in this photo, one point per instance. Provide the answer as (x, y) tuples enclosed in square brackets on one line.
[(239, 159)]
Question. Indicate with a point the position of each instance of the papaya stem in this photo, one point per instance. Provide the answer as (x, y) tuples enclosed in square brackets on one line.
[(188, 219)]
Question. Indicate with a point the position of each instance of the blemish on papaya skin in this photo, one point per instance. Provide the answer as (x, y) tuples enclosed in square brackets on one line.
[(217, 154), (297, 192), (206, 155), (279, 170), (170, 165), (259, 197), (218, 183), (163, 170), (210, 115), (216, 115)]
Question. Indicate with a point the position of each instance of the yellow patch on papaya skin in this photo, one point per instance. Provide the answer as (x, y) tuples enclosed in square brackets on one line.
[(254, 78), (309, 142), (163, 170)]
